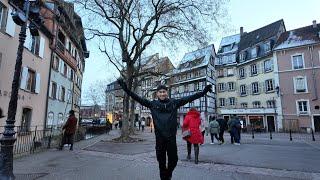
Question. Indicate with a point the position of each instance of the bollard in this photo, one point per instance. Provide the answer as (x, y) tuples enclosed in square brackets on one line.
[(270, 134), (290, 135), (313, 139)]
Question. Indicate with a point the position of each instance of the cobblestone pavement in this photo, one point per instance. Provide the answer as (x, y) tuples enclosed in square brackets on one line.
[(98, 158)]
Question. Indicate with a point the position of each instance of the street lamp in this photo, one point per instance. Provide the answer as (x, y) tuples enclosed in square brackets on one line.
[(20, 16)]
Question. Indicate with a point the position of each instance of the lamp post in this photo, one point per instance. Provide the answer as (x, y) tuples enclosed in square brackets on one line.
[(8, 139)]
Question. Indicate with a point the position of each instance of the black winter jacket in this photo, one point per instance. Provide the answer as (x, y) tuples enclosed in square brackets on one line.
[(164, 113)]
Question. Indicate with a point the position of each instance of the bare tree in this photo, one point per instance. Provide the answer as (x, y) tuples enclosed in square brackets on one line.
[(126, 28), (96, 92)]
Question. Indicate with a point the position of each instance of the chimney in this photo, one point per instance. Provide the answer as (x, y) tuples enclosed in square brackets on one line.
[(314, 24), (241, 31)]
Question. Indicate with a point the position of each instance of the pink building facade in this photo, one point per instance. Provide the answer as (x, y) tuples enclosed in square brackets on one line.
[(297, 54), (32, 97)]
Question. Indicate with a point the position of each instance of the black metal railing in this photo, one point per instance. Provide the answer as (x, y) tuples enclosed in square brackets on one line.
[(37, 138)]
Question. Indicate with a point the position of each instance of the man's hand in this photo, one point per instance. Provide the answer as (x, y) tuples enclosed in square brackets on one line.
[(122, 84), (207, 89)]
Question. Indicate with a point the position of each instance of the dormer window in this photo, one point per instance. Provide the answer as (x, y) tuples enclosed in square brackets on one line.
[(226, 48), (267, 46), (242, 56), (254, 52)]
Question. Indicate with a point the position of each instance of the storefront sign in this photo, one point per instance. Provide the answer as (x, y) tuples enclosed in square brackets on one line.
[(248, 111)]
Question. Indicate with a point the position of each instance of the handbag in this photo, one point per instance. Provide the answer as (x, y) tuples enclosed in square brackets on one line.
[(186, 134)]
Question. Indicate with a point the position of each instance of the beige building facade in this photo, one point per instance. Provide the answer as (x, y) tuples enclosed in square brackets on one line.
[(32, 98)]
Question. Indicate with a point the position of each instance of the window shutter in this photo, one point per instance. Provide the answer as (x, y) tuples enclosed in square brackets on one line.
[(60, 65), (50, 90), (258, 68), (28, 41), (58, 95), (67, 44), (42, 46), (225, 72), (23, 82), (38, 83), (11, 26), (248, 89)]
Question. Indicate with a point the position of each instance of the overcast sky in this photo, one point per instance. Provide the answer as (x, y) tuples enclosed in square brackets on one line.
[(250, 14)]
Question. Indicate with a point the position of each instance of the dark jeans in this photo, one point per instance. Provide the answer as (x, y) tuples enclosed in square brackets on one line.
[(221, 136), (142, 128), (235, 134), (166, 147), (214, 135)]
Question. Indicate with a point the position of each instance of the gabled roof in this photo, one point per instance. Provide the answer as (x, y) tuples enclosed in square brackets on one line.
[(195, 59), (261, 34), (299, 37)]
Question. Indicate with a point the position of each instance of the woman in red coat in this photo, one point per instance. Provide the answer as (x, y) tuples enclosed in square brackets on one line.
[(192, 122)]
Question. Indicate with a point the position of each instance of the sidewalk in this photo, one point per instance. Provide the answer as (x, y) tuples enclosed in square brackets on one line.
[(98, 158)]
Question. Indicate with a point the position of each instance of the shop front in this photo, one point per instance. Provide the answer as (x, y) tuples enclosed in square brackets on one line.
[(260, 120)]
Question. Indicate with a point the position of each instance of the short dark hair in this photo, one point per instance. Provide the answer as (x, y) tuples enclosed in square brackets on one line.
[(71, 112), (162, 87)]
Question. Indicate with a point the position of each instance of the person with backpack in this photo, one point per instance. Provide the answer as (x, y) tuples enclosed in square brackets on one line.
[(214, 129), (235, 129), (143, 123)]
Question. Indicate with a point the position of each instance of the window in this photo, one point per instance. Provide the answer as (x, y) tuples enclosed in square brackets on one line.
[(256, 104), (230, 72), (255, 88), (266, 47), (221, 86), (242, 73), (271, 104), (254, 52), (62, 94), (35, 45), (189, 76), (268, 65), (26, 120), (31, 81), (222, 102), (232, 101), (297, 62), (300, 84), (65, 69), (220, 73), (244, 105), (303, 107), (50, 118), (231, 86), (242, 56), (55, 64), (269, 85), (226, 48), (254, 70), (243, 90), (71, 75), (53, 90)]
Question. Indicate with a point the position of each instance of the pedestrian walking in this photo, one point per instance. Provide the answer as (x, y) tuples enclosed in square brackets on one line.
[(191, 126), (143, 123), (139, 124), (214, 129), (151, 126), (235, 129), (164, 115), (69, 131), (116, 123), (223, 126), (108, 126)]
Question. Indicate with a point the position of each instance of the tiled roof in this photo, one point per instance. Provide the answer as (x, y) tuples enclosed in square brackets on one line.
[(299, 37), (249, 39)]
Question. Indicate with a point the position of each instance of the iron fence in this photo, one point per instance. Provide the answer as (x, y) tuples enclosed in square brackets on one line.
[(37, 138)]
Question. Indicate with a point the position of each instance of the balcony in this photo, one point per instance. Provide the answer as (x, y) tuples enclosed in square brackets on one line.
[(60, 46)]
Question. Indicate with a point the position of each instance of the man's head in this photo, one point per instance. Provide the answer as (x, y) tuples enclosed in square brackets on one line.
[(71, 112), (162, 92)]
